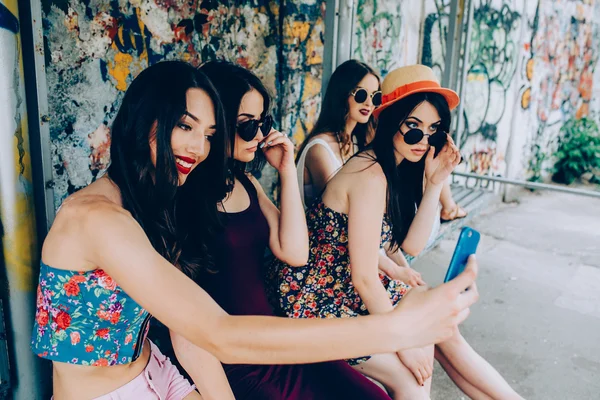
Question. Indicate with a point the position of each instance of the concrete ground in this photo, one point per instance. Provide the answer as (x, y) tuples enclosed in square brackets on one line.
[(538, 318)]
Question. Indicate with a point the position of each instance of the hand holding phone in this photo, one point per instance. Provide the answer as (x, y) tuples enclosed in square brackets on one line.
[(465, 246)]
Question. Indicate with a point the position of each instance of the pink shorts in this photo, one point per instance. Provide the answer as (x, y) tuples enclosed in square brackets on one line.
[(160, 380)]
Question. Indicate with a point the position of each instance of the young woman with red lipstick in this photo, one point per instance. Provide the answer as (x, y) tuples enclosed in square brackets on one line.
[(379, 200), (344, 125), (119, 250)]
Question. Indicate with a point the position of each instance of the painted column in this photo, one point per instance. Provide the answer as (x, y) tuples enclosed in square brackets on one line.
[(20, 249)]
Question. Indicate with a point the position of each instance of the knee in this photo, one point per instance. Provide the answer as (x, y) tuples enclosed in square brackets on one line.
[(456, 340), (408, 394)]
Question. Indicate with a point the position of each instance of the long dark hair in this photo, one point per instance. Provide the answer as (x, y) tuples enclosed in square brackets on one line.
[(404, 181), (233, 82), (176, 220), (334, 110)]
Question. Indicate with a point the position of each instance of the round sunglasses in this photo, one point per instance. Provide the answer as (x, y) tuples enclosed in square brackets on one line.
[(360, 96), (249, 129), (414, 136)]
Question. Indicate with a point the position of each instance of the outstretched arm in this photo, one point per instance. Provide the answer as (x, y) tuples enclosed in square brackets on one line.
[(103, 235)]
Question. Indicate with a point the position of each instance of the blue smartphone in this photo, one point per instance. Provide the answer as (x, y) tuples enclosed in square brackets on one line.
[(466, 245)]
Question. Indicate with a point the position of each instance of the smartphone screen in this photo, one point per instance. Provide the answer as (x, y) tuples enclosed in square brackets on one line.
[(466, 245)]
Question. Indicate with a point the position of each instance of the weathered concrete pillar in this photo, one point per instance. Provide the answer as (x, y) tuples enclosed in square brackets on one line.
[(19, 246)]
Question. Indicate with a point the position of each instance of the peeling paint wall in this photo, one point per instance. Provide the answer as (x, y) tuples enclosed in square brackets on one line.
[(95, 48), (532, 66), (299, 73)]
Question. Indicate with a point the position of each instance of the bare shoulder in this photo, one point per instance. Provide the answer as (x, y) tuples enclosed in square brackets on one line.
[(318, 154), (255, 182), (99, 200), (364, 168), (329, 137), (82, 216)]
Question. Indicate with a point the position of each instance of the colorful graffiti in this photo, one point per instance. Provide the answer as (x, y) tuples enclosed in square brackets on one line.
[(435, 31), (94, 49), (493, 62), (493, 57), (562, 56), (378, 34), (301, 66)]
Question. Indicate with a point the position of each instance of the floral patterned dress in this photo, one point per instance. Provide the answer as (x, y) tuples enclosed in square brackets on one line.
[(323, 288), (86, 318)]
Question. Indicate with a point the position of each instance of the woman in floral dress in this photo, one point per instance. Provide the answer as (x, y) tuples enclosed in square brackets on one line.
[(378, 200)]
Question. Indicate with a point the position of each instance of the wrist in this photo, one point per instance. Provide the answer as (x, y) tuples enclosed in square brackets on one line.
[(397, 331), (287, 172), (434, 186)]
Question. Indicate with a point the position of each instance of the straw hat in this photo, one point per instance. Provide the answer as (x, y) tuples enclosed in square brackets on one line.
[(404, 81)]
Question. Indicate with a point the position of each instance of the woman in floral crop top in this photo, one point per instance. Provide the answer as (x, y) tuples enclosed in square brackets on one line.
[(108, 262)]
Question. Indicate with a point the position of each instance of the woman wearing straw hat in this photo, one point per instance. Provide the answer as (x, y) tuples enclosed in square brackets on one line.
[(372, 202)]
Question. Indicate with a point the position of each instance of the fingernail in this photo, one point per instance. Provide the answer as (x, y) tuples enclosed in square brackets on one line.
[(270, 142), (260, 146)]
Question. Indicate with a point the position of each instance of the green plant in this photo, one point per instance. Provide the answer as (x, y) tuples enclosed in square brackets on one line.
[(578, 150), (535, 163)]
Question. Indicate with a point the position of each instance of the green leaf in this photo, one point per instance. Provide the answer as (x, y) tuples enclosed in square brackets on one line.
[(60, 335)]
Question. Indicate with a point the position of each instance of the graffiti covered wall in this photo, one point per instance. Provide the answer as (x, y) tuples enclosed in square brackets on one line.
[(94, 49), (490, 88), (561, 74), (435, 31), (386, 34), (532, 67)]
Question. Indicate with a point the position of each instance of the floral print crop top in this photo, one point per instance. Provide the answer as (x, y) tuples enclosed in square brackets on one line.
[(86, 318)]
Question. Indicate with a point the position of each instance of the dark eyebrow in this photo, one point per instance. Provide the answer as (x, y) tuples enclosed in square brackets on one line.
[(438, 122), (247, 115), (415, 118), (192, 116)]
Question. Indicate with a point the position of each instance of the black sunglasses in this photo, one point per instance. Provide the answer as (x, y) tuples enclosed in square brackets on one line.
[(414, 136), (360, 96), (248, 129)]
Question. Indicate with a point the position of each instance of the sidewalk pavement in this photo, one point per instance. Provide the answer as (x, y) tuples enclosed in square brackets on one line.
[(538, 318)]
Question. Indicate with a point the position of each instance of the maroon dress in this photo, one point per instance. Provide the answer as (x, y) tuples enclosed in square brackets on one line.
[(239, 287)]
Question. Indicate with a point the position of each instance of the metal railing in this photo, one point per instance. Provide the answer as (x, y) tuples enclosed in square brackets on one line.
[(531, 185)]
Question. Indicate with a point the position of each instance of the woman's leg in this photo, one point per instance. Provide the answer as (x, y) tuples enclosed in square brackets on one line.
[(458, 379), (450, 210), (394, 376), (474, 369)]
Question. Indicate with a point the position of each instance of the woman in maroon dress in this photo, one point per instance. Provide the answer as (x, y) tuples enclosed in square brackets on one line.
[(251, 226)]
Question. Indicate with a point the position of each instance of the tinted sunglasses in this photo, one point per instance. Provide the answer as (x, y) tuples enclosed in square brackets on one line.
[(360, 96), (414, 136), (248, 129)]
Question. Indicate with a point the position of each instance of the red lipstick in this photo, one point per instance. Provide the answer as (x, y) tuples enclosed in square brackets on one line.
[(184, 169)]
